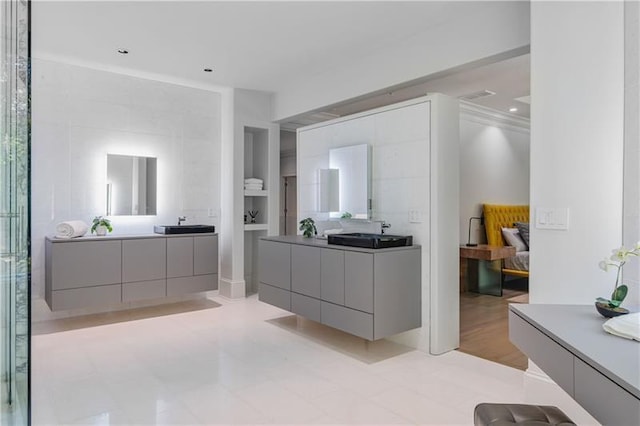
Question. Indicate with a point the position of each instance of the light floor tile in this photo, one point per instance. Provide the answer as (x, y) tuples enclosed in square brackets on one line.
[(245, 362)]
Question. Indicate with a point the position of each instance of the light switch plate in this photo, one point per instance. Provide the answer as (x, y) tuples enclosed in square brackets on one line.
[(415, 216), (552, 218)]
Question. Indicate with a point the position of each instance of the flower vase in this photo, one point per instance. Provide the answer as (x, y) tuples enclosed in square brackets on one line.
[(101, 230)]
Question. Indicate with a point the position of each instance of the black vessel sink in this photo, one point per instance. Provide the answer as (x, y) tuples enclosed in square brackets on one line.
[(374, 241), (183, 229)]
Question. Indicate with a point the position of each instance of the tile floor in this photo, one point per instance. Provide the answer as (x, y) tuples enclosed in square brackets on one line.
[(247, 362)]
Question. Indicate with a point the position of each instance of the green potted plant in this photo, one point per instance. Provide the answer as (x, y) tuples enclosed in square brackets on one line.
[(101, 225), (308, 227), (611, 307)]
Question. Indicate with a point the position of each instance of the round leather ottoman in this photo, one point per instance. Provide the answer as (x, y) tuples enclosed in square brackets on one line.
[(519, 414)]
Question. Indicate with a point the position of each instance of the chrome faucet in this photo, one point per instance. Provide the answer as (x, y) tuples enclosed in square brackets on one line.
[(181, 219), (384, 225)]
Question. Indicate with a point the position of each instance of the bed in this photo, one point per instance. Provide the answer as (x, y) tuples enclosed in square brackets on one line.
[(497, 217)]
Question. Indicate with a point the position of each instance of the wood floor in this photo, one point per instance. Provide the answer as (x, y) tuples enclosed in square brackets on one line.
[(484, 329)]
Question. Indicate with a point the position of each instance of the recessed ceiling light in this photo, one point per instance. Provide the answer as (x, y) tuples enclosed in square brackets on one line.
[(208, 70), (123, 51), (513, 109)]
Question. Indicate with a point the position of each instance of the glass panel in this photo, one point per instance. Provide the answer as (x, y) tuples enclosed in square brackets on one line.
[(15, 211)]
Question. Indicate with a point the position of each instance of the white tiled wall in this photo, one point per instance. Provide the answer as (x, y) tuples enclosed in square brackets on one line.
[(400, 164), (80, 114), (631, 221)]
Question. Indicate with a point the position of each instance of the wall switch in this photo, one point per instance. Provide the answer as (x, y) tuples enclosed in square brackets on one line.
[(415, 216), (212, 213), (552, 218)]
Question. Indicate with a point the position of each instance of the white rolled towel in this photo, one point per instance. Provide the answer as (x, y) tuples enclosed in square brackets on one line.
[(627, 326), (71, 229), (254, 180)]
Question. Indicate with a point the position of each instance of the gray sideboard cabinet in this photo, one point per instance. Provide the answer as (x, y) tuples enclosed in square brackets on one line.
[(91, 272), (368, 293)]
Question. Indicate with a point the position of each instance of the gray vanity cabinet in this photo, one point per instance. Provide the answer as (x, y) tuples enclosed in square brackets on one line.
[(94, 263), (274, 264), (365, 292), (144, 259), (332, 276), (85, 274), (205, 255), (358, 273), (143, 269), (194, 263), (180, 257), (274, 269), (106, 271), (305, 271)]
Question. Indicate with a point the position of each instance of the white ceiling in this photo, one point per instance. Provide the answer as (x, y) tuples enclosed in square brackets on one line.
[(259, 45)]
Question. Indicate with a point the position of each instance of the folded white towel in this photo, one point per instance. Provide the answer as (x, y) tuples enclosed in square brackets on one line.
[(253, 187), (253, 180), (71, 229), (627, 326)]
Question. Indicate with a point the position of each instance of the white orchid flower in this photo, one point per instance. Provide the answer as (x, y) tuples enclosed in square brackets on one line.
[(604, 265)]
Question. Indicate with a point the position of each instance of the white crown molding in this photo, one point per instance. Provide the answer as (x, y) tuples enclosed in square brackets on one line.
[(489, 116)]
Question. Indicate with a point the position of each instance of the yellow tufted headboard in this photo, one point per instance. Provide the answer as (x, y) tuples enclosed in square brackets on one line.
[(498, 216)]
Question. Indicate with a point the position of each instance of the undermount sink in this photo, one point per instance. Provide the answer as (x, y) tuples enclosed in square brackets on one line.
[(183, 229), (374, 241)]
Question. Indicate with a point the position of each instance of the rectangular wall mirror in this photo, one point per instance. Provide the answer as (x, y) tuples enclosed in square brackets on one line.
[(131, 185), (354, 180)]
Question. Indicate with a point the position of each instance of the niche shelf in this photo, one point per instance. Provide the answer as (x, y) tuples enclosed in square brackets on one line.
[(255, 193), (256, 227)]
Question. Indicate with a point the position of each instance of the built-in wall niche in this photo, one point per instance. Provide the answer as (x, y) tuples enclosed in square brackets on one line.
[(131, 185), (256, 199)]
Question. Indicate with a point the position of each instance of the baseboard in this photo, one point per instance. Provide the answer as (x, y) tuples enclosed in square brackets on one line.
[(232, 290)]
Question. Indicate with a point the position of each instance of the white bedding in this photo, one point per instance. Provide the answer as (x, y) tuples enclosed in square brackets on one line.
[(518, 262)]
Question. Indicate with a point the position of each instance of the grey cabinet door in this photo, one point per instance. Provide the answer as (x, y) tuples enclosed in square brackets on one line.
[(349, 320), (274, 296), (144, 259), (205, 255), (179, 257), (358, 281), (194, 284), (85, 264), (305, 270), (274, 264), (332, 276)]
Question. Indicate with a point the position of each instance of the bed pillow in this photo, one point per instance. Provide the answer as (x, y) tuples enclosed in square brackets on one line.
[(512, 238), (523, 229)]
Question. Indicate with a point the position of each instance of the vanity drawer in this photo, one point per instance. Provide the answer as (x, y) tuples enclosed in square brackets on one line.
[(346, 319), (84, 264), (592, 388), (195, 284), (87, 297), (305, 306), (556, 361), (275, 296), (144, 290)]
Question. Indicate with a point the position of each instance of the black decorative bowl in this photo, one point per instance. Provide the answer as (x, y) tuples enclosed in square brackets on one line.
[(608, 312)]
